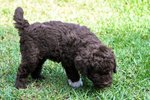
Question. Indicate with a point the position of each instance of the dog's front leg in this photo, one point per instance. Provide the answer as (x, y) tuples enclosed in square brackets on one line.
[(74, 79)]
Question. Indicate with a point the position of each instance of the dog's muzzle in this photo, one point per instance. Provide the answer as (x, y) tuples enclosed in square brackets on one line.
[(102, 85)]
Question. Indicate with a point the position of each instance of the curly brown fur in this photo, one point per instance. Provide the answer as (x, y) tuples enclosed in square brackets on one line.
[(78, 49)]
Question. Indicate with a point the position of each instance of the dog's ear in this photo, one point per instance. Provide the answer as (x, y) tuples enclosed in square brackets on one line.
[(115, 65), (81, 65), (103, 60)]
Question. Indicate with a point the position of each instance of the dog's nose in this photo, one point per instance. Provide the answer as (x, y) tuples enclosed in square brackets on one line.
[(102, 85)]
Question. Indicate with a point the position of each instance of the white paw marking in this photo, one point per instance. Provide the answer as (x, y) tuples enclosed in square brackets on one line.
[(75, 84)]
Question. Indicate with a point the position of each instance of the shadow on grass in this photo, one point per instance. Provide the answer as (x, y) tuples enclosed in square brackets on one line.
[(56, 80)]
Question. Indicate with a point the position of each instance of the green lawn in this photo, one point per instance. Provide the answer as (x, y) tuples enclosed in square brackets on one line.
[(123, 25)]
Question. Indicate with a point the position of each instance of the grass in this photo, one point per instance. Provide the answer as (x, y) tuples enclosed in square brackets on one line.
[(123, 25)]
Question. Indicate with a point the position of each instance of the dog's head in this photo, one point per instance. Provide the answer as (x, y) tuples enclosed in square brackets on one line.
[(98, 66)]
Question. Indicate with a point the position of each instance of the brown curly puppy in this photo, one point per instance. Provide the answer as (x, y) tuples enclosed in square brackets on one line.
[(78, 50)]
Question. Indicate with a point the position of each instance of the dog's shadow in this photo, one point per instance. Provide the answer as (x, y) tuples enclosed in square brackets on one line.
[(56, 80)]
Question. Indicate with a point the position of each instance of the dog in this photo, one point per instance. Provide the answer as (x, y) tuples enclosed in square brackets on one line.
[(74, 46)]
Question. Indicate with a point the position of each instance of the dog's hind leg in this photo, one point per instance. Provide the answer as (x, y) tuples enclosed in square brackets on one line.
[(24, 70), (36, 74), (72, 74), (29, 62), (22, 74)]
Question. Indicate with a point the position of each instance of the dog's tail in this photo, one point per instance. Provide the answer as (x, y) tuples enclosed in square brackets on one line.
[(20, 22)]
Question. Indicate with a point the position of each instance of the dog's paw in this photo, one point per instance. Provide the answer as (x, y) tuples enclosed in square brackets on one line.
[(75, 84), (20, 85)]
